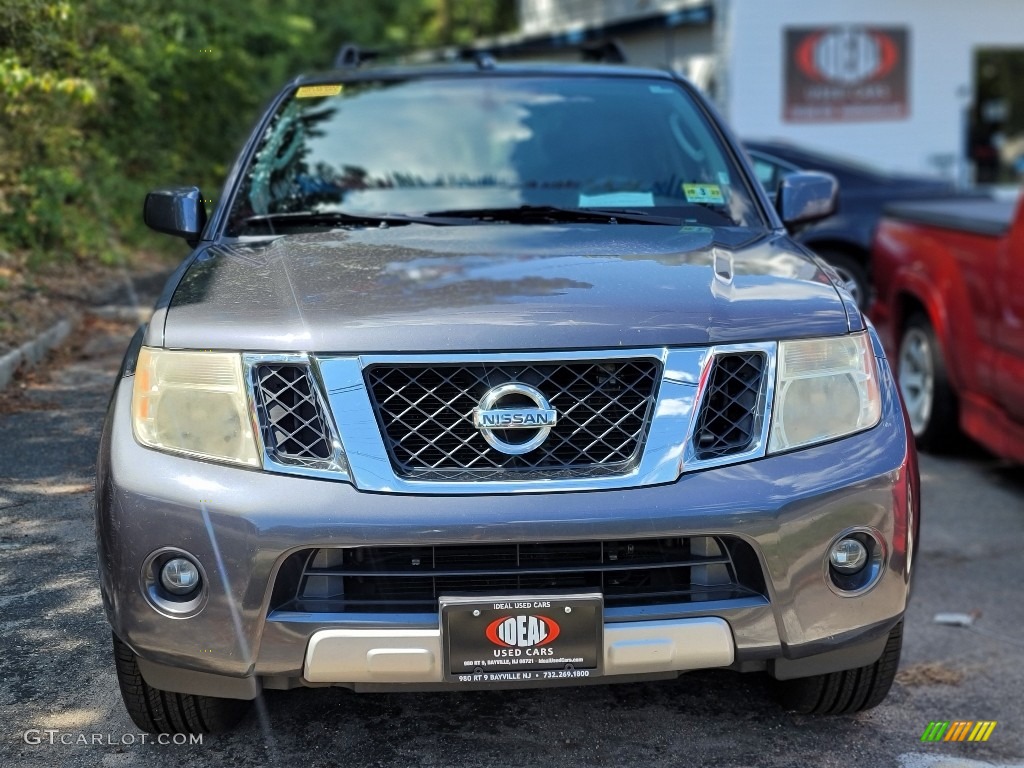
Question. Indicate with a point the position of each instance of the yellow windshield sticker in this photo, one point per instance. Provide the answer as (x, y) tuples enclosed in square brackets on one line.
[(314, 91), (703, 193)]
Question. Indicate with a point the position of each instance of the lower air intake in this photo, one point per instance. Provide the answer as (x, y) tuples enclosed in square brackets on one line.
[(633, 573)]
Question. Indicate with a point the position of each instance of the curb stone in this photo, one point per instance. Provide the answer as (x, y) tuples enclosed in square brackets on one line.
[(122, 313), (32, 352)]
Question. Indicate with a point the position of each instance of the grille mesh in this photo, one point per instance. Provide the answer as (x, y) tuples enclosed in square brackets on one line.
[(290, 415), (728, 422), (425, 415)]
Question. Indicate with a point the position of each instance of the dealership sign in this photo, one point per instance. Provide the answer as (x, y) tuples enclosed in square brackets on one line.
[(845, 73)]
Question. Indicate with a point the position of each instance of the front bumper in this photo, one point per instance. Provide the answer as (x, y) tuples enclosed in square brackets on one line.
[(241, 525), (415, 655)]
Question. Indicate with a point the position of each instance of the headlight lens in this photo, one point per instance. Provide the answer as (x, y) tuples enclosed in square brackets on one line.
[(193, 403), (826, 388)]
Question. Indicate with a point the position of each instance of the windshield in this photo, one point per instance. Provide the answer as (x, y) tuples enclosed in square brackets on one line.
[(445, 145)]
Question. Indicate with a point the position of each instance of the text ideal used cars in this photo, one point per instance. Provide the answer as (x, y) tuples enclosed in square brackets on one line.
[(485, 377)]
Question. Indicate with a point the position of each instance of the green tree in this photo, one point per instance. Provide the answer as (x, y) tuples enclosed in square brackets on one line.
[(101, 99)]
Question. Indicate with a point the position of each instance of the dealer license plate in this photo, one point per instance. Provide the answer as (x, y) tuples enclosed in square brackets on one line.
[(522, 638)]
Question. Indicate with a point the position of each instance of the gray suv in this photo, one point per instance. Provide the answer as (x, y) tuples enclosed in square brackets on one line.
[(492, 376)]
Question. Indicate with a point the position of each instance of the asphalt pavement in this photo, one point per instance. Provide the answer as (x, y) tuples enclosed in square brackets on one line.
[(59, 704)]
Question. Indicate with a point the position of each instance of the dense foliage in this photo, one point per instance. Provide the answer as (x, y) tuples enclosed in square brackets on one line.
[(101, 99)]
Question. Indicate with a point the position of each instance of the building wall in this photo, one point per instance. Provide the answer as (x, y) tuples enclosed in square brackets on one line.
[(687, 50), (684, 47), (544, 16), (943, 36)]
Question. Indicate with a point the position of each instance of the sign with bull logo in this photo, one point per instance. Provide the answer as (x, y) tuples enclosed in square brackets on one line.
[(846, 73)]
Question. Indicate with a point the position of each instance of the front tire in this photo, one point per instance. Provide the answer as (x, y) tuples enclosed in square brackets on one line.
[(924, 384), (846, 692), (156, 711)]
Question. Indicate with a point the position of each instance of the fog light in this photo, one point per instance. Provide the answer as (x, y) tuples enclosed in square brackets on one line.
[(179, 576), (848, 556)]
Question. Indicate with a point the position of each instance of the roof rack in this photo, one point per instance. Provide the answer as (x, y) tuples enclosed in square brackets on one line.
[(351, 56), (604, 51), (484, 60)]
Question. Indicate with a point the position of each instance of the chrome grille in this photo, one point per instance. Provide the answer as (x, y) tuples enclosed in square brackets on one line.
[(425, 416), (290, 415), (411, 578), (729, 421)]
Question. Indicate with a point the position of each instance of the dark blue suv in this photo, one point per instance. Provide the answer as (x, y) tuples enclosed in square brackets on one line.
[(486, 376)]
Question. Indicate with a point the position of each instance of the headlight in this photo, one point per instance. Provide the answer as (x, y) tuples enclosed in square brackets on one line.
[(193, 403), (826, 388)]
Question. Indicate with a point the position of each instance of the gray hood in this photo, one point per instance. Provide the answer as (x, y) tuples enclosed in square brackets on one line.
[(499, 287)]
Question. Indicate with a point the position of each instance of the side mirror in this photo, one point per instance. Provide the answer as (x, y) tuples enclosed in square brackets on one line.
[(177, 211), (807, 196)]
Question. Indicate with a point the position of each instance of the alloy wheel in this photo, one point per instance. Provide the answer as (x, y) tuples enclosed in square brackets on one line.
[(917, 378)]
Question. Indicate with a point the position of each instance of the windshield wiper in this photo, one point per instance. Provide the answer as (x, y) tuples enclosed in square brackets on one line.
[(336, 219), (552, 213)]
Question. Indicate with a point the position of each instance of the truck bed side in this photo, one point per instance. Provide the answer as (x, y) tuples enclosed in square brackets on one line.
[(990, 218)]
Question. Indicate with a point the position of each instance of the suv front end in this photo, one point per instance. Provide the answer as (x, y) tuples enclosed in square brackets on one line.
[(501, 455)]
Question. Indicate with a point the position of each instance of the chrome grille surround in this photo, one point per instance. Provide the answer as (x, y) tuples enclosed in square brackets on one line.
[(426, 416), (296, 432), (361, 456), (753, 366)]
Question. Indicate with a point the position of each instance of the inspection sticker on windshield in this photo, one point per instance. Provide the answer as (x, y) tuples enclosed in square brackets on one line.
[(703, 193), (313, 91)]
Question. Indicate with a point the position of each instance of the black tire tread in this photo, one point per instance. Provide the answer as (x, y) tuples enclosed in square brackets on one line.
[(156, 711), (848, 691), (886, 668)]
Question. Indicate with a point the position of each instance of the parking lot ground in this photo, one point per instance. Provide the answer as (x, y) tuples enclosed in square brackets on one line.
[(58, 690)]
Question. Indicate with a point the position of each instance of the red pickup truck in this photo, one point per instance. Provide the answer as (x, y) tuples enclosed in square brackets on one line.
[(950, 309)]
